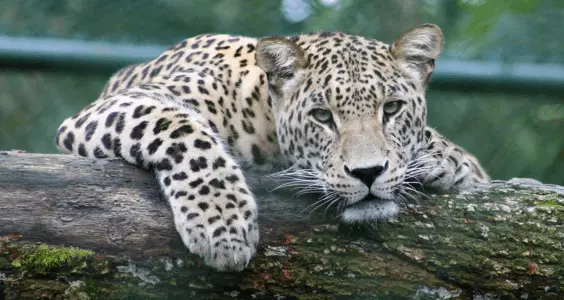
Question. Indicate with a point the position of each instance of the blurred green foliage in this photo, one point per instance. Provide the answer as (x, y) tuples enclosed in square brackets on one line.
[(513, 135)]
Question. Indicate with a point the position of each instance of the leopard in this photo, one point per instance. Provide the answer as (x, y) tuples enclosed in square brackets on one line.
[(342, 113)]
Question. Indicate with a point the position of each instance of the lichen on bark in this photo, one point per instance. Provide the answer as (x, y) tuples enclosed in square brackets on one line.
[(312, 264), (504, 237)]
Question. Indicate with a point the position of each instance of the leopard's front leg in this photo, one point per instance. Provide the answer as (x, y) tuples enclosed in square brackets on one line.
[(444, 166), (214, 211)]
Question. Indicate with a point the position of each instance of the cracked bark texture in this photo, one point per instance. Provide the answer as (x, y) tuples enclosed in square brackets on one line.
[(504, 240)]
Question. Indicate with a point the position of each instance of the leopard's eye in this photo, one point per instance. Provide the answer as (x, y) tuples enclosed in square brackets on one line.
[(392, 107), (322, 115)]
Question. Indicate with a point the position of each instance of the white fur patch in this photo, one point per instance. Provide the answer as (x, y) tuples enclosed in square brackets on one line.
[(370, 210)]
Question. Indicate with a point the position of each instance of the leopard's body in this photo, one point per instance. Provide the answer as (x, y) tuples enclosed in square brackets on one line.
[(345, 114)]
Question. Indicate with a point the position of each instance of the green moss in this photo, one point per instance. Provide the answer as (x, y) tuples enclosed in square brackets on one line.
[(43, 258), (550, 203)]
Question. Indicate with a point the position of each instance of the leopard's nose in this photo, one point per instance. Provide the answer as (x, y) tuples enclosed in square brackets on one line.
[(369, 174)]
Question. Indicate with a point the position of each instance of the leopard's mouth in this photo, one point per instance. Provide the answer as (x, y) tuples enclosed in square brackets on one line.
[(368, 198), (370, 208), (371, 197)]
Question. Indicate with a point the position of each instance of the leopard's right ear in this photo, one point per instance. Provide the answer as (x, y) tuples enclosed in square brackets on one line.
[(282, 60), (280, 56)]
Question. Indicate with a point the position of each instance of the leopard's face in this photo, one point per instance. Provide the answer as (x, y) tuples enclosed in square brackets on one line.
[(350, 114)]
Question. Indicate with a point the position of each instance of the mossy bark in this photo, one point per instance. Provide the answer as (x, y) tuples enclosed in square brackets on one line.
[(502, 240)]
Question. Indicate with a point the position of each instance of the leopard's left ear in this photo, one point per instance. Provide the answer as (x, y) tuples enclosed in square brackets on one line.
[(281, 59), (417, 48)]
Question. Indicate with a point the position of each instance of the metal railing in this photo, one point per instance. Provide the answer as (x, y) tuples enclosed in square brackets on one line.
[(74, 55)]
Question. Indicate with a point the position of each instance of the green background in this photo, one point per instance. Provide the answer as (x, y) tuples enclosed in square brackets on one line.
[(514, 132)]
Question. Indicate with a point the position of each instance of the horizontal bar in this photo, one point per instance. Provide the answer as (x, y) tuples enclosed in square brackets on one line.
[(55, 54), (77, 55), (494, 76)]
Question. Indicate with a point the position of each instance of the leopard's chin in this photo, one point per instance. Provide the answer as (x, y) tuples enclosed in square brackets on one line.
[(370, 209)]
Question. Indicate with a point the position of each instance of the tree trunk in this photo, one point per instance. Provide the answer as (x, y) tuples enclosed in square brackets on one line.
[(503, 240)]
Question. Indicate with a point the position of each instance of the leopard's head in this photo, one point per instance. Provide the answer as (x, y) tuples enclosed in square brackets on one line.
[(350, 113)]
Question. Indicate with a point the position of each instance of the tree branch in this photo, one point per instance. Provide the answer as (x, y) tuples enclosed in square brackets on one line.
[(505, 238)]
